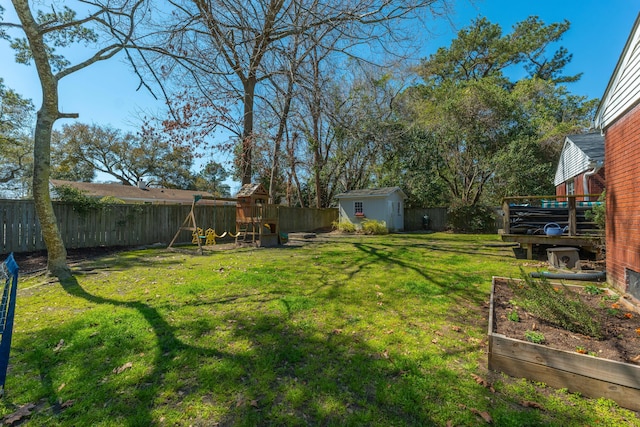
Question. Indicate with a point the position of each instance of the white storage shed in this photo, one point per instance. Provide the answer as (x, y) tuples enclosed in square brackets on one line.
[(380, 204)]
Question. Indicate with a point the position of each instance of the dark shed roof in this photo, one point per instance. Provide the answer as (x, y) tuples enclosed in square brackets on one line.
[(371, 192)]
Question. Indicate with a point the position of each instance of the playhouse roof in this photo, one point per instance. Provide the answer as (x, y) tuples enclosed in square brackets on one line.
[(371, 192), (252, 190)]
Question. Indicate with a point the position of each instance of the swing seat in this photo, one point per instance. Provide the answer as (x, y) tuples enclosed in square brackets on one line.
[(198, 234), (210, 237)]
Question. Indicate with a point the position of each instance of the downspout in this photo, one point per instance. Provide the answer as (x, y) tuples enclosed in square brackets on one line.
[(585, 178)]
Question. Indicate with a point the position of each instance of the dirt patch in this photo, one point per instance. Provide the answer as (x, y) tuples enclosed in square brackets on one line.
[(35, 262), (620, 322)]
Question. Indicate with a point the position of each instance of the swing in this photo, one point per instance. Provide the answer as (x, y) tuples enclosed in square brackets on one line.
[(198, 236), (224, 221), (210, 237)]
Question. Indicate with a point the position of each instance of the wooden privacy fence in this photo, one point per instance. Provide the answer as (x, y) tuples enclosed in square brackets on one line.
[(132, 225), (413, 218), (304, 219)]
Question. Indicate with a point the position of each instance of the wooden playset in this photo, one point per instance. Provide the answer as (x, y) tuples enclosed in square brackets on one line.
[(256, 221)]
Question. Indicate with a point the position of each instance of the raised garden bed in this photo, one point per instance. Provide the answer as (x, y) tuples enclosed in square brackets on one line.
[(592, 375)]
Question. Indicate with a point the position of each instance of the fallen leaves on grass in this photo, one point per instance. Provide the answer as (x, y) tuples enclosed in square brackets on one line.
[(122, 368), (483, 414), (242, 401), (484, 383), (67, 404), (23, 412), (529, 404)]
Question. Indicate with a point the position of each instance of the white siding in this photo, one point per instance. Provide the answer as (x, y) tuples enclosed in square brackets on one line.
[(378, 208), (623, 91), (573, 161)]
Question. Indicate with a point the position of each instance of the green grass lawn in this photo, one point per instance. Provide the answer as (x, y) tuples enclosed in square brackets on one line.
[(362, 330)]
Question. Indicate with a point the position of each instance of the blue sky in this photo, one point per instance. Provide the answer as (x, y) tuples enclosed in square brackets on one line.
[(105, 93)]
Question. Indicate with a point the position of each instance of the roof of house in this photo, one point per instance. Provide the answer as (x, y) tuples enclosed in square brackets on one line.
[(580, 153), (592, 144), (134, 194), (371, 192)]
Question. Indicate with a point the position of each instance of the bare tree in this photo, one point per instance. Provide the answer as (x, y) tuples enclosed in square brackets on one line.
[(62, 27), (236, 43)]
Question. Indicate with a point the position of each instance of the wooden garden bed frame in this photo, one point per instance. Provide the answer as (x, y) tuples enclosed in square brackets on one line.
[(592, 376)]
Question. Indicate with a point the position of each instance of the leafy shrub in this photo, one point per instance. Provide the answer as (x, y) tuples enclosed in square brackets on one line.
[(471, 218), (563, 309), (80, 201), (344, 226), (371, 226), (111, 200), (597, 212)]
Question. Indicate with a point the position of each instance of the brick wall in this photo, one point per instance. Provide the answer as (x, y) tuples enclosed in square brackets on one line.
[(622, 168), (597, 183)]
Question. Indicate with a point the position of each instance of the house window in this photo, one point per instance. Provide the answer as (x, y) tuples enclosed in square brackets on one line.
[(358, 208), (571, 186), (399, 204)]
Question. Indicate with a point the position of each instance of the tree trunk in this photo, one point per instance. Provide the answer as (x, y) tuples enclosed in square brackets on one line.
[(278, 140), (247, 131), (56, 251)]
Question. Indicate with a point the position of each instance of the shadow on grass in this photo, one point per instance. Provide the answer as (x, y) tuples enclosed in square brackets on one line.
[(249, 367), (270, 372)]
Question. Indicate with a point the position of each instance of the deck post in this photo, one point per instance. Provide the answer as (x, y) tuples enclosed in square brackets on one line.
[(505, 219), (572, 216)]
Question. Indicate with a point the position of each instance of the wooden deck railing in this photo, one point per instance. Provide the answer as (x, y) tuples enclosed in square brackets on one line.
[(529, 214)]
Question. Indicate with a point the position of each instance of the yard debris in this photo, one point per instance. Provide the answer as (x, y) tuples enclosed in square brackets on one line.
[(484, 414), (529, 404), (23, 412), (122, 368), (59, 346), (484, 383), (67, 404)]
